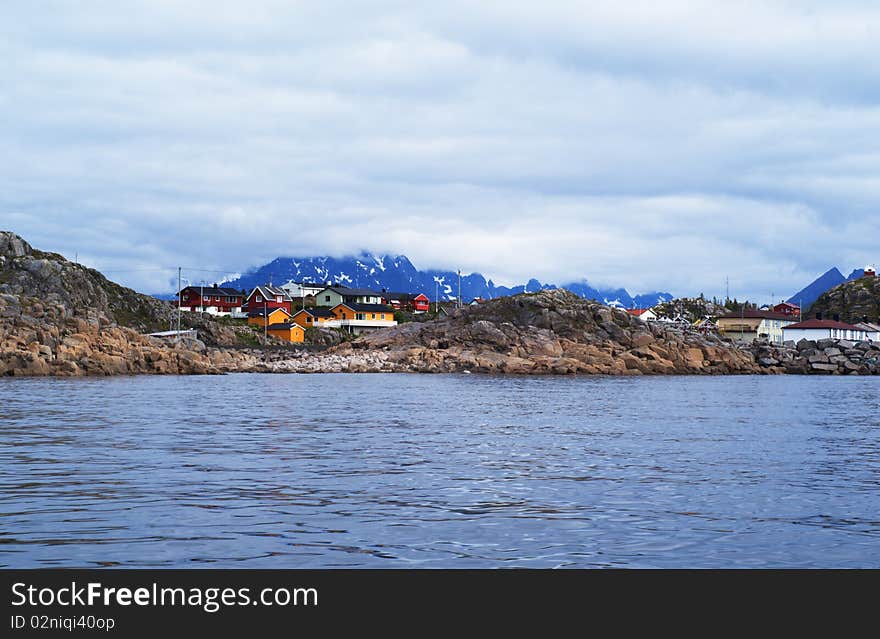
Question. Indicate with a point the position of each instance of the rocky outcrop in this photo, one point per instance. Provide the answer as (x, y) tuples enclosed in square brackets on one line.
[(549, 332), (852, 301), (821, 357), (60, 318), (38, 338)]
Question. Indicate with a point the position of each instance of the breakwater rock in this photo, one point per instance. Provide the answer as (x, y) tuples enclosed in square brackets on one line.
[(549, 332), (820, 357)]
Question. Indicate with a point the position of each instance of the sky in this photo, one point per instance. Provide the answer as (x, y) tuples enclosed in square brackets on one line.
[(647, 145)]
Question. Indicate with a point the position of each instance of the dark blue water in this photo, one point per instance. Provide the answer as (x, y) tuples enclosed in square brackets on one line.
[(440, 471)]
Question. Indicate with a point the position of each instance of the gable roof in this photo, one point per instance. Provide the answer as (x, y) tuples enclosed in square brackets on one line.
[(344, 291), (817, 323), (270, 292), (757, 315), (283, 326), (366, 308), (637, 312), (262, 312), (317, 311), (212, 290)]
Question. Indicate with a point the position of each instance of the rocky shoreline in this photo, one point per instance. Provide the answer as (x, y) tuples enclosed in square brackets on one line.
[(62, 319)]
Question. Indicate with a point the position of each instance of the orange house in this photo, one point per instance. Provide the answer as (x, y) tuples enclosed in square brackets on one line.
[(316, 316), (363, 312), (275, 316), (287, 331)]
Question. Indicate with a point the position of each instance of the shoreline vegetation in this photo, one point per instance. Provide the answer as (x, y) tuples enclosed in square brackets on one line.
[(59, 318)]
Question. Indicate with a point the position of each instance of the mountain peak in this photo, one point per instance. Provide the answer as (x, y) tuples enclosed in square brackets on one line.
[(397, 273)]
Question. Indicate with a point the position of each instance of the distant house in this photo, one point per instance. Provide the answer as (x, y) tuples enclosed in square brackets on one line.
[(477, 301), (287, 331), (263, 297), (746, 326), (300, 290), (872, 331), (824, 329), (870, 271), (412, 302), (333, 296), (313, 316), (271, 316), (361, 318), (787, 308), (211, 299), (644, 314)]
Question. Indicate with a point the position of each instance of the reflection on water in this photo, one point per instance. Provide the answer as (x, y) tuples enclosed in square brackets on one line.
[(296, 471)]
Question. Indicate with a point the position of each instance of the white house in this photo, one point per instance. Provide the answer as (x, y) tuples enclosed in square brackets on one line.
[(816, 329), (644, 314), (872, 331), (748, 325), (303, 289)]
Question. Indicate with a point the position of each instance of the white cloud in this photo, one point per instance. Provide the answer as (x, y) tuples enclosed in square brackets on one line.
[(652, 146)]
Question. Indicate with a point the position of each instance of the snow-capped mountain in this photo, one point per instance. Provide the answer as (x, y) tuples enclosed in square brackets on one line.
[(398, 274)]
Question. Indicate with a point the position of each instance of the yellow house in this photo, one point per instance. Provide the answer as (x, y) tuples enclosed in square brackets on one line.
[(275, 316), (316, 316), (287, 331)]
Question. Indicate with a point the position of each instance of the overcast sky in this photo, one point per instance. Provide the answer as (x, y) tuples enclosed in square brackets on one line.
[(649, 145)]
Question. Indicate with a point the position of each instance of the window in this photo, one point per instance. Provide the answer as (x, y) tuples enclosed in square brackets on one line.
[(326, 298), (259, 298), (383, 315), (277, 298), (206, 298), (374, 316), (360, 316)]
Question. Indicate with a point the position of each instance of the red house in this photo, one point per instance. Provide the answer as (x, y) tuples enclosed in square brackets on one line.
[(269, 297), (787, 308), (210, 299), (413, 302)]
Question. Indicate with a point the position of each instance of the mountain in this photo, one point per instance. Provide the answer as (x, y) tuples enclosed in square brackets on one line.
[(399, 274), (853, 301), (825, 282)]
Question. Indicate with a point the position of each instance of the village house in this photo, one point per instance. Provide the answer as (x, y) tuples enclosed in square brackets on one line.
[(872, 331), (787, 308), (412, 302), (644, 314), (361, 318), (288, 331), (263, 297), (261, 317), (313, 316), (303, 291), (333, 296), (746, 326), (213, 300), (815, 329)]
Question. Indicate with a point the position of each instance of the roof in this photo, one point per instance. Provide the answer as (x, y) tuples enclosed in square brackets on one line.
[(283, 326), (403, 297), (262, 312), (270, 291), (789, 304), (868, 326), (367, 308), (638, 312), (817, 323), (317, 311), (212, 290), (757, 315), (352, 292)]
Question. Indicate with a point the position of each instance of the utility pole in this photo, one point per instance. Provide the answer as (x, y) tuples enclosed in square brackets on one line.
[(179, 295), (265, 321), (459, 288)]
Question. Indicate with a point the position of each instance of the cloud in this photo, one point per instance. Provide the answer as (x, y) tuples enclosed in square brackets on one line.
[(653, 146)]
